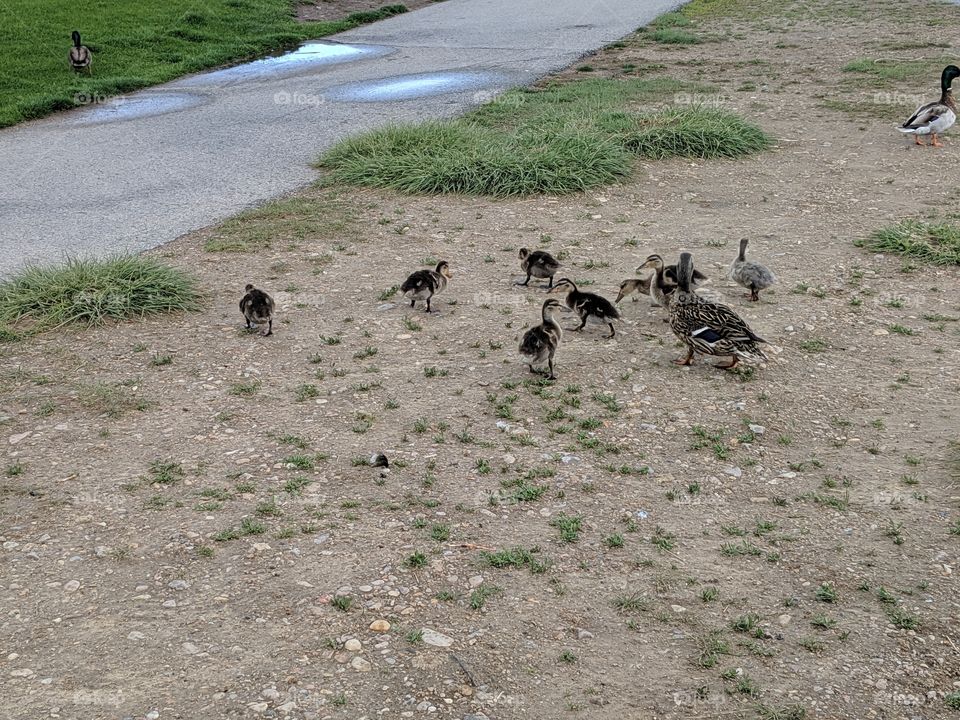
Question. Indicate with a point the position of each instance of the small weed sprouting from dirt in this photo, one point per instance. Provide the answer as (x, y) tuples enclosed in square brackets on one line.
[(416, 560), (569, 527), (479, 597), (91, 292), (824, 622), (631, 603), (245, 389), (663, 540), (164, 472), (516, 557), (902, 619), (567, 656), (785, 712), (343, 603), (712, 647), (826, 593)]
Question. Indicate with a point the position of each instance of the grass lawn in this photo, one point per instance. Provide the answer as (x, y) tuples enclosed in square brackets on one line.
[(136, 44)]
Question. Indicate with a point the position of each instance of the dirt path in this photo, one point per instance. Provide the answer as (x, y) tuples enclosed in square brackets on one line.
[(778, 539)]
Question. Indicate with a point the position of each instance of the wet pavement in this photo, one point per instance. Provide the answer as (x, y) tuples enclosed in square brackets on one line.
[(135, 172)]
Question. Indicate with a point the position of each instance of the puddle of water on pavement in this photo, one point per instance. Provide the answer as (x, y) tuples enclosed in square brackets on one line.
[(135, 106), (411, 87), (307, 56)]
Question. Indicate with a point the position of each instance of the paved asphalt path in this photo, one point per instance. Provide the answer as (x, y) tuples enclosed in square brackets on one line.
[(116, 177)]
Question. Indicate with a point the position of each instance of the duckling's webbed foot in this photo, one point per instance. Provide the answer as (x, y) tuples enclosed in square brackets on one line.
[(754, 294), (687, 360), (613, 332), (525, 282)]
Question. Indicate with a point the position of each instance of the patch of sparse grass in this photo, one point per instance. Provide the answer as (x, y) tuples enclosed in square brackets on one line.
[(92, 292), (479, 597), (673, 36), (164, 472), (936, 243), (826, 593), (902, 619), (416, 560), (245, 388)]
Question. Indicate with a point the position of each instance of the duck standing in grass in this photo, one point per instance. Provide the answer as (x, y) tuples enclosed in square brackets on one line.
[(540, 343), (80, 55), (257, 308), (752, 275), (588, 306), (424, 284), (538, 264), (709, 328), (936, 117)]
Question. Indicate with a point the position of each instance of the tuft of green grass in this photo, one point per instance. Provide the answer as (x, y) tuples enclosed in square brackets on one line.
[(92, 292), (164, 472), (569, 527), (936, 243), (690, 131)]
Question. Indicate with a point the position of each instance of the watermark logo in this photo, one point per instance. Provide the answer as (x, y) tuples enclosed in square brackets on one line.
[(284, 97), (710, 100), (93, 98), (898, 98), (490, 97), (489, 299)]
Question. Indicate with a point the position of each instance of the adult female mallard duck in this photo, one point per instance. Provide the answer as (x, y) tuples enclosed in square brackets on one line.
[(706, 327), (257, 308), (80, 55), (752, 275), (936, 117), (424, 284), (540, 343), (538, 264), (588, 306), (664, 280)]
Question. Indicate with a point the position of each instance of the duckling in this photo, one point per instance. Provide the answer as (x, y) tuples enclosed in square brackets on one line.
[(936, 117), (752, 275), (588, 305), (257, 308), (538, 264), (540, 343), (80, 55), (709, 328), (424, 284), (664, 280), (633, 285)]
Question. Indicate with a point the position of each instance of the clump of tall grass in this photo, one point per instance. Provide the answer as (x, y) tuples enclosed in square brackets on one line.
[(564, 138), (90, 292)]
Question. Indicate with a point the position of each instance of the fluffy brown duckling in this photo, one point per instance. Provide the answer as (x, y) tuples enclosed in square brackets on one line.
[(257, 308), (633, 285), (538, 264), (424, 284), (539, 344), (589, 306)]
